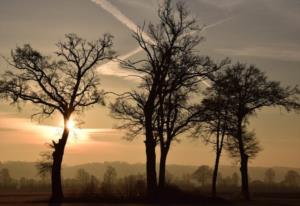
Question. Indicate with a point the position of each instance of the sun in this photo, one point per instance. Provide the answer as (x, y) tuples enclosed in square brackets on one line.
[(71, 124)]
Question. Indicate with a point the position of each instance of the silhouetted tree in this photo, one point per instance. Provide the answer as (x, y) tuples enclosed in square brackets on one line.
[(203, 175), (83, 177), (270, 176), (248, 90), (5, 178), (66, 86), (175, 112), (212, 124), (170, 71), (44, 165), (109, 180), (250, 143), (292, 179)]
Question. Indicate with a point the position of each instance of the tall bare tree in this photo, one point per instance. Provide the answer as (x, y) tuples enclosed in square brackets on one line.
[(247, 90), (170, 65), (66, 85), (176, 111)]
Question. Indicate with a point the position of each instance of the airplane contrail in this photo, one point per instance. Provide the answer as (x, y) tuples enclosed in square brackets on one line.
[(106, 5), (209, 26), (113, 67)]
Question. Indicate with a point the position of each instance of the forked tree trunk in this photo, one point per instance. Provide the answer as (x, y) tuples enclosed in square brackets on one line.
[(57, 192)]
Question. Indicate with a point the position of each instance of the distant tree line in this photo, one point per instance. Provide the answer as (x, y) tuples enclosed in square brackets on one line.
[(133, 187), (180, 92)]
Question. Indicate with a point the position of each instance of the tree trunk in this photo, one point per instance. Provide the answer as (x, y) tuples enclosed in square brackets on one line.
[(244, 175), (151, 169), (215, 174), (150, 145), (162, 169), (244, 163), (57, 193)]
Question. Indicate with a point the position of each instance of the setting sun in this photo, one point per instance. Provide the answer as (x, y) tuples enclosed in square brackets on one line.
[(71, 124)]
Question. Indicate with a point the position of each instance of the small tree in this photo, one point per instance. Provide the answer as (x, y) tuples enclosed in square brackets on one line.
[(66, 86), (109, 180), (203, 175), (270, 176), (44, 165), (247, 90), (212, 124), (83, 178), (292, 179), (5, 178)]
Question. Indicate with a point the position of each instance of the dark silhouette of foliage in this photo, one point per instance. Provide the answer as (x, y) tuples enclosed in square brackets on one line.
[(66, 85)]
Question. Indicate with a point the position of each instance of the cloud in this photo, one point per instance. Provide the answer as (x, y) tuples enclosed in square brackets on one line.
[(113, 68), (271, 52), (224, 4), (23, 130)]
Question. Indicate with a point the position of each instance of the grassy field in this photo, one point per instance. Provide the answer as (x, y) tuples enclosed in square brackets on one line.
[(40, 199)]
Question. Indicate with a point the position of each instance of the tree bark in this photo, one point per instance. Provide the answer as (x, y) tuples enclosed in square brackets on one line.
[(57, 193), (215, 174), (244, 175), (151, 169), (162, 170), (244, 163), (150, 144)]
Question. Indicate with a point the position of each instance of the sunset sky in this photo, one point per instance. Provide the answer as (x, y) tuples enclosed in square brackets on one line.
[(261, 32)]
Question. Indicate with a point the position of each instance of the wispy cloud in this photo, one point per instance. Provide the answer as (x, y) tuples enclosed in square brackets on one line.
[(224, 4), (270, 52), (113, 68)]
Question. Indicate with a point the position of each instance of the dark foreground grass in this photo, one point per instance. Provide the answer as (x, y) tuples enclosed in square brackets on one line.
[(41, 199)]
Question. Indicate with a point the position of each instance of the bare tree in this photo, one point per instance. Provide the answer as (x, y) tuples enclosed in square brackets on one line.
[(292, 179), (44, 164), (66, 85), (270, 176), (212, 124), (247, 90), (176, 112), (203, 175), (169, 66)]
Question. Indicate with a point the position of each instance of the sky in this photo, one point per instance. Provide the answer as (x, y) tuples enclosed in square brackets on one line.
[(260, 32)]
